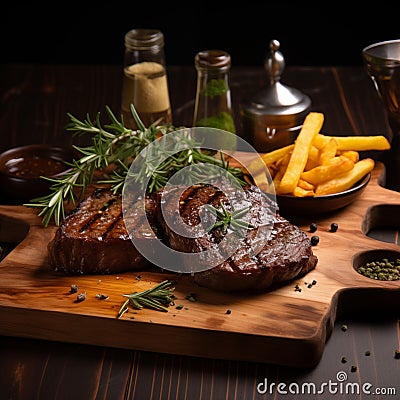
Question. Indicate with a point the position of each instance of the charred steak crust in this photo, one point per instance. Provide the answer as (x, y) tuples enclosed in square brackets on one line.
[(93, 238)]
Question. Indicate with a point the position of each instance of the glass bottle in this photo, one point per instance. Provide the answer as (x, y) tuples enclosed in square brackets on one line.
[(213, 107), (145, 82)]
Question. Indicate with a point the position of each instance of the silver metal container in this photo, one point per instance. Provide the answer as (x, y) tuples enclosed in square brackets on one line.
[(272, 117)]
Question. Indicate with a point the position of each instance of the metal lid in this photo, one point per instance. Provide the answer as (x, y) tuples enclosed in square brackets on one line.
[(277, 100)]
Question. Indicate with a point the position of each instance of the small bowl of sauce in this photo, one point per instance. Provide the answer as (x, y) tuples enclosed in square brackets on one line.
[(22, 170)]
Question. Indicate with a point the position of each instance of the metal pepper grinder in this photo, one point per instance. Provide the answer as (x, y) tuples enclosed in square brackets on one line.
[(272, 117)]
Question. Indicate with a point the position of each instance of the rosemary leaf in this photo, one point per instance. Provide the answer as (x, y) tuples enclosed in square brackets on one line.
[(158, 298), (227, 219)]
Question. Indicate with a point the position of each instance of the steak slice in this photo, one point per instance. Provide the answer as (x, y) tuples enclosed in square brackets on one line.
[(93, 239), (272, 251)]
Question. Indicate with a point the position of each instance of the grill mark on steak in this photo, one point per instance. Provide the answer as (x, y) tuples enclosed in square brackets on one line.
[(197, 196), (104, 221), (97, 215), (115, 224)]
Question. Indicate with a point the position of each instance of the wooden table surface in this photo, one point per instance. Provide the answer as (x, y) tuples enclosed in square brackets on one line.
[(35, 100)]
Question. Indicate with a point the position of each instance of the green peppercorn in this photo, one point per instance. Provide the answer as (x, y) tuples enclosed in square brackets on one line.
[(384, 270)]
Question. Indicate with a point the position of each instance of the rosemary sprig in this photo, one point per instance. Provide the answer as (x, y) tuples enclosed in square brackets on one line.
[(117, 146), (157, 298), (229, 219)]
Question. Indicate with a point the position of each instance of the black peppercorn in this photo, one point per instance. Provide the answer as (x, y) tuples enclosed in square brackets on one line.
[(313, 227), (81, 297), (74, 288), (314, 240), (334, 227)]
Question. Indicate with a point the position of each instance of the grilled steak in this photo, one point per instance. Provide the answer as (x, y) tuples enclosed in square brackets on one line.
[(264, 257), (286, 256), (93, 239)]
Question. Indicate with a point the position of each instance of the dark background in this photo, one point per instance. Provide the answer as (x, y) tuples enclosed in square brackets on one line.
[(325, 33)]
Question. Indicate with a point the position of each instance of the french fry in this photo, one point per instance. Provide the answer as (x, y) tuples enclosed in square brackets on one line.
[(313, 154), (351, 154), (301, 192), (277, 180), (357, 143), (280, 172), (275, 155), (261, 180), (305, 185), (346, 180), (273, 168), (328, 151), (334, 167), (268, 159), (311, 126), (313, 158)]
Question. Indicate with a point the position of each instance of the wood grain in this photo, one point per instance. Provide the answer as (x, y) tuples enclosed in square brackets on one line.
[(281, 326)]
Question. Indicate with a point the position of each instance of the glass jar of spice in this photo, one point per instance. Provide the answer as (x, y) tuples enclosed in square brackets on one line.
[(145, 83)]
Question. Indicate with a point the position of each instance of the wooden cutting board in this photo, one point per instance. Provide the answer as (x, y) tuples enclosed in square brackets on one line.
[(281, 326)]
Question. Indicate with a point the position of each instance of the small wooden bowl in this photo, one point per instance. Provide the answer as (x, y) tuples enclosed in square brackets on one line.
[(22, 169)]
